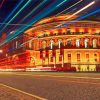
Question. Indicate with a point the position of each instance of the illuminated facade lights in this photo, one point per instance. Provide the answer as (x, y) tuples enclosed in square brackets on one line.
[(75, 47)]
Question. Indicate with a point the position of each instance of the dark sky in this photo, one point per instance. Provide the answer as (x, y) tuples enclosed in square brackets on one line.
[(7, 6)]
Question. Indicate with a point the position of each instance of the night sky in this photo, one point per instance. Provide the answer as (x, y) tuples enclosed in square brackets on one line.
[(48, 8)]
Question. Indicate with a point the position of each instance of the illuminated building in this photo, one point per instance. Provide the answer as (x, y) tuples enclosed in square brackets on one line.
[(76, 45)]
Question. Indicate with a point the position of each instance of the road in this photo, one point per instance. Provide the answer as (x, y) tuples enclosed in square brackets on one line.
[(49, 86)]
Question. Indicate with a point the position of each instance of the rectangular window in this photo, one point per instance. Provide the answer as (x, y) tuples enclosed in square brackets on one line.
[(47, 53), (78, 57), (68, 42), (95, 56), (51, 60), (41, 55), (87, 57), (60, 58), (69, 57), (61, 51), (53, 53)]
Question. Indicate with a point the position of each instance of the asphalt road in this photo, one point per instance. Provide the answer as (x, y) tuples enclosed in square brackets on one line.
[(51, 86)]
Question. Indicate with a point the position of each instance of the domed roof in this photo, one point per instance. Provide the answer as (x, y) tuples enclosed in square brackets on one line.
[(51, 23), (55, 19)]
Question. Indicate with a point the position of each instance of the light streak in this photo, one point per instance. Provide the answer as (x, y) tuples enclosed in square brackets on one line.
[(34, 10), (70, 11), (61, 3), (2, 3), (87, 15), (90, 4), (34, 20), (31, 12), (17, 14), (13, 12), (82, 17), (69, 8)]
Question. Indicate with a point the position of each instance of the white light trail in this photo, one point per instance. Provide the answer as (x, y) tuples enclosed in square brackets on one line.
[(69, 7), (90, 4), (61, 3)]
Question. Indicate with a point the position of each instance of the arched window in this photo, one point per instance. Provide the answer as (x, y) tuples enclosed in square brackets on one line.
[(68, 42), (16, 44), (59, 43), (86, 42), (77, 42), (30, 44), (51, 44), (44, 44), (94, 43)]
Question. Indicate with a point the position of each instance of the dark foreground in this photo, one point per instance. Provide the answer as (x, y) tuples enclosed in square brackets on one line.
[(49, 85)]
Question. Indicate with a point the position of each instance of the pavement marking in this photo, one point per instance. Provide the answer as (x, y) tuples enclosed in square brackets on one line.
[(35, 96)]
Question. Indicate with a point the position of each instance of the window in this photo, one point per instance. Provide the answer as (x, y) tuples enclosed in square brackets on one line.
[(69, 57), (60, 58), (77, 42), (68, 42), (78, 57), (61, 51), (94, 43), (16, 44), (59, 43), (51, 60), (41, 55), (87, 57), (86, 43), (51, 44), (30, 44), (44, 44), (95, 56)]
